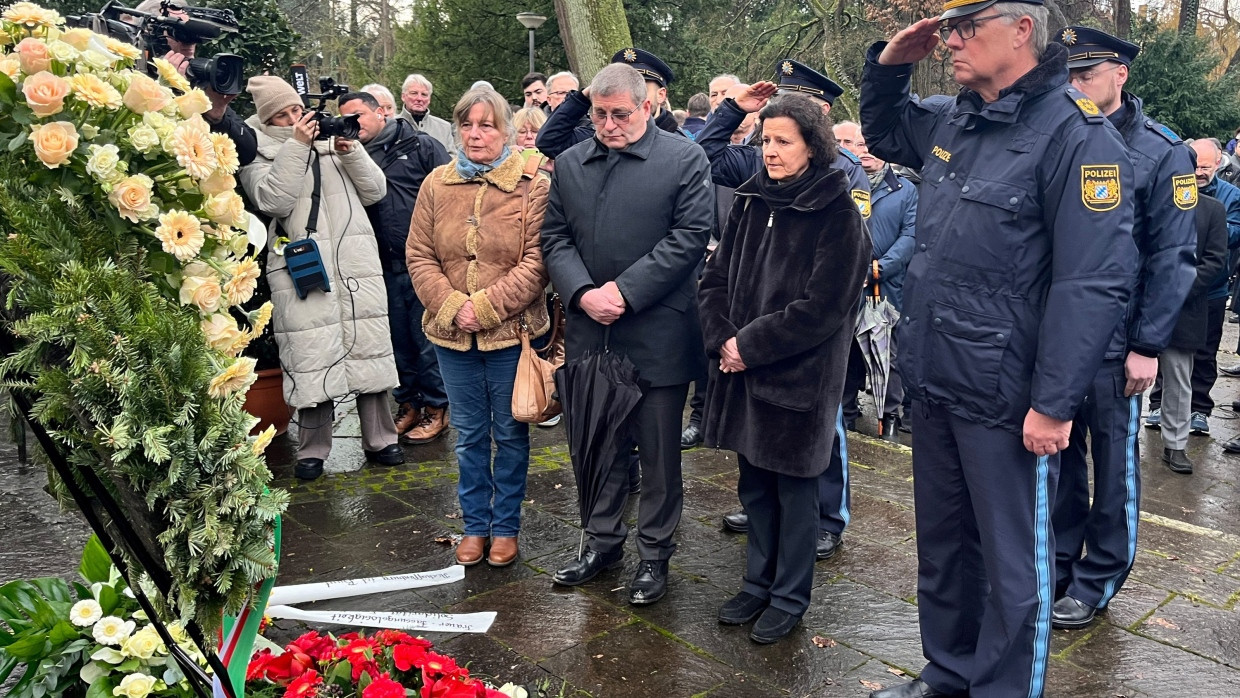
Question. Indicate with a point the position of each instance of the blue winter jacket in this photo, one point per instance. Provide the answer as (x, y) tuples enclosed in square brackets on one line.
[(1229, 194), (894, 214)]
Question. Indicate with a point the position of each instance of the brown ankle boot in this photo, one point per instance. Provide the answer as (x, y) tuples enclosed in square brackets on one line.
[(434, 422), (469, 550), (407, 417), (503, 552)]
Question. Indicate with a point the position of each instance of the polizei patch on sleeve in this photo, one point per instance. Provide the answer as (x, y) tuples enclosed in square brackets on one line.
[(1184, 191), (862, 199), (1100, 187)]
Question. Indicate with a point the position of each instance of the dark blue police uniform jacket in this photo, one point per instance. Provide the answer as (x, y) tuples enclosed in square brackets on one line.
[(731, 165), (894, 218), (1025, 257)]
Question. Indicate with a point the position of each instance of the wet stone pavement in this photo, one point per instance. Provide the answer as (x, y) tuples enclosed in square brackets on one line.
[(1174, 630)]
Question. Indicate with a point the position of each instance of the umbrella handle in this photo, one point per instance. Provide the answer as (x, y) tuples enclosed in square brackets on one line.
[(877, 293), (607, 338)]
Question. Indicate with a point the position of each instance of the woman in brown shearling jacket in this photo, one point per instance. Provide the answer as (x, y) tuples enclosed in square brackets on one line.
[(474, 257)]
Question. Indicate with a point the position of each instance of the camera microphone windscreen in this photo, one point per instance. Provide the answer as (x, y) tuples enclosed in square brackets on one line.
[(301, 83)]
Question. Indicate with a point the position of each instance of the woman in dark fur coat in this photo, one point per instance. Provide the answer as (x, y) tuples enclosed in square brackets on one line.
[(778, 301)]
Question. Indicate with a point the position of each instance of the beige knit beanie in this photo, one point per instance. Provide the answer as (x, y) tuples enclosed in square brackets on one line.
[(271, 95)]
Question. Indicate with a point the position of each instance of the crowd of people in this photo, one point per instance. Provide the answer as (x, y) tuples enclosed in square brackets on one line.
[(1050, 252)]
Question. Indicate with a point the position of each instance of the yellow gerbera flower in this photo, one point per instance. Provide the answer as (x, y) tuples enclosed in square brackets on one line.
[(237, 377), (225, 152), (243, 283), (181, 234), (89, 88), (194, 152), (263, 440), (170, 75)]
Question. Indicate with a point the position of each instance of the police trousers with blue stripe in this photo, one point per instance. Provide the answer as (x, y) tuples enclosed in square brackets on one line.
[(1107, 423), (985, 548)]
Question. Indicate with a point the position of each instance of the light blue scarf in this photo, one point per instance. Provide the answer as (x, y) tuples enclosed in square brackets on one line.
[(468, 169)]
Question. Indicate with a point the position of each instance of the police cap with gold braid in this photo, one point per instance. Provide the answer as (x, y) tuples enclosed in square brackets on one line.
[(794, 76), (646, 63), (960, 8), (1088, 47)]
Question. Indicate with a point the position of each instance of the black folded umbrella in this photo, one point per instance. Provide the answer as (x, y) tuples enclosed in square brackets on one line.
[(598, 392)]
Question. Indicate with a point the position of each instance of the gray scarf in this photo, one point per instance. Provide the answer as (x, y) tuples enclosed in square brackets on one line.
[(876, 178), (387, 136)]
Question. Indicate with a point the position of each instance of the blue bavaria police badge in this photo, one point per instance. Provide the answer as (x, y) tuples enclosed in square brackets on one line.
[(1100, 187)]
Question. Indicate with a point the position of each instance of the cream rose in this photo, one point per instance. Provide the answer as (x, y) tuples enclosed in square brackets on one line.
[(132, 198), (45, 93), (221, 331), (226, 208), (62, 52), (144, 139), (33, 56), (203, 292), (136, 685), (192, 103), (95, 60), (104, 163), (54, 143), (218, 183), (145, 95), (143, 644)]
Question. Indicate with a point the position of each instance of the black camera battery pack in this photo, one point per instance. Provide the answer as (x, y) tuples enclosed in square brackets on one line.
[(305, 265)]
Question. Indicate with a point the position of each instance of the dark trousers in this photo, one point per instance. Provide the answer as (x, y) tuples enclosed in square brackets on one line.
[(656, 431), (1205, 362), (697, 403), (779, 559), (834, 494), (1108, 424), (417, 367), (854, 382), (984, 547)]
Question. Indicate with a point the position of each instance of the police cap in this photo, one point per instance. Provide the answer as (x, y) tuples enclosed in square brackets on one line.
[(1088, 47), (646, 63), (794, 76), (960, 8)]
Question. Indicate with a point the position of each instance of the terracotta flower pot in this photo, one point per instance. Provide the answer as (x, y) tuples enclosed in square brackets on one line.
[(265, 400)]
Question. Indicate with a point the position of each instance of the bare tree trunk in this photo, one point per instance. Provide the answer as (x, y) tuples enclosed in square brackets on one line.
[(1188, 17), (592, 31), (1123, 18)]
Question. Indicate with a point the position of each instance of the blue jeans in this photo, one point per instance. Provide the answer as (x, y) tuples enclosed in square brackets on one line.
[(417, 369), (479, 387)]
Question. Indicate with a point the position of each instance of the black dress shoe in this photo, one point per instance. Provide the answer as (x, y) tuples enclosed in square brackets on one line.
[(649, 584), (913, 689), (1233, 371), (1071, 614), (586, 567), (773, 625), (741, 609), (890, 428), (1232, 446), (1178, 461), (736, 523), (828, 544), (391, 455), (690, 437), (308, 469)]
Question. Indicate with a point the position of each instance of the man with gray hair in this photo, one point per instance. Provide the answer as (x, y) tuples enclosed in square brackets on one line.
[(627, 222), (382, 95), (718, 88), (558, 87), (415, 93), (1023, 266)]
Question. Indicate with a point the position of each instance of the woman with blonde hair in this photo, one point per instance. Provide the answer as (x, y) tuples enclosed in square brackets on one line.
[(474, 257)]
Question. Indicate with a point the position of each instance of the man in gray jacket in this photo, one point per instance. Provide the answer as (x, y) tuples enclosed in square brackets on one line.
[(415, 94), (627, 222)]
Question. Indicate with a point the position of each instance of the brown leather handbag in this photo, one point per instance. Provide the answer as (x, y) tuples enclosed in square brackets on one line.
[(533, 391)]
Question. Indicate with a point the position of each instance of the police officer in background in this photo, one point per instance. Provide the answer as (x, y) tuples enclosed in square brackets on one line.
[(564, 128), (731, 165), (1164, 200), (1024, 261)]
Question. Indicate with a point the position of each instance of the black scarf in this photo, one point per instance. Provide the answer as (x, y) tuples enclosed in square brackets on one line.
[(386, 136), (781, 194)]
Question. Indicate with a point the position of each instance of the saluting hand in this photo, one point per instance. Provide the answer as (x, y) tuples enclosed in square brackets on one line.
[(730, 360), (751, 98), (912, 44), (1141, 372), (1045, 436)]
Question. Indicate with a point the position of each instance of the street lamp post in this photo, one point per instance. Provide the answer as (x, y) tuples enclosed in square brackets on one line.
[(531, 21)]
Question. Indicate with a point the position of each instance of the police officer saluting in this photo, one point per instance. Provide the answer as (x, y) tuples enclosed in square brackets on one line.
[(565, 128), (1024, 262), (731, 165), (1163, 227)]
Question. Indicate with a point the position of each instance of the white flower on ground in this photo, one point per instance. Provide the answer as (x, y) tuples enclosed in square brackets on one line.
[(85, 613)]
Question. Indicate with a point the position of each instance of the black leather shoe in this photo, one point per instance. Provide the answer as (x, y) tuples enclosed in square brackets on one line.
[(1232, 371), (391, 455), (649, 584), (741, 609), (1232, 446), (586, 567), (308, 469), (828, 544), (914, 689), (736, 523), (1178, 461), (850, 425), (773, 625), (691, 437), (1070, 614)]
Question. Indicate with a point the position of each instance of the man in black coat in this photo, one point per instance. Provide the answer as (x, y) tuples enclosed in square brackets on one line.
[(628, 218), (406, 156)]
